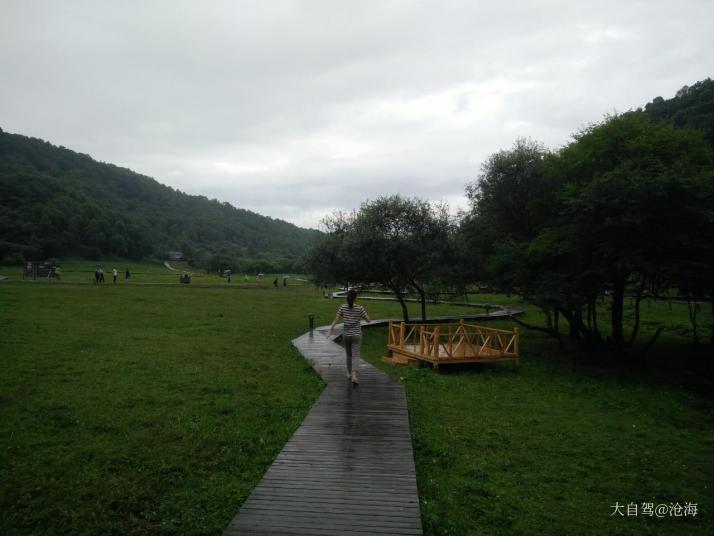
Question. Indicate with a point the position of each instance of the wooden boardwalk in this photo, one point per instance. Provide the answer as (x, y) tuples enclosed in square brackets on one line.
[(349, 468)]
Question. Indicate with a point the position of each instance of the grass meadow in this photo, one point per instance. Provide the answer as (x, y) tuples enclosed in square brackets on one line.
[(150, 407)]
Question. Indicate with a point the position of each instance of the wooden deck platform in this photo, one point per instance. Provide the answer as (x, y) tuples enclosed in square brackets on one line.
[(437, 344), (349, 468)]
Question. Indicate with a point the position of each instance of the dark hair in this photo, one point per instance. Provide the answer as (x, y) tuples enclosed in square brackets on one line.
[(351, 296)]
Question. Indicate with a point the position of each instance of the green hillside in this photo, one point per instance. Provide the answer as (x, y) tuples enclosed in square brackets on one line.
[(692, 107), (55, 202)]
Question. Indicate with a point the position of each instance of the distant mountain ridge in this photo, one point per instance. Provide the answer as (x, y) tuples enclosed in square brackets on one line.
[(57, 202)]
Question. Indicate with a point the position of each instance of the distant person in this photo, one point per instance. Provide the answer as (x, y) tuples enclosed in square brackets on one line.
[(58, 272), (351, 314), (285, 281), (275, 283), (229, 273), (127, 275), (101, 274), (114, 275), (96, 275)]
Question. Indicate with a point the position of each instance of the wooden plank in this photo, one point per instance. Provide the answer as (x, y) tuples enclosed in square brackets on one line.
[(338, 473)]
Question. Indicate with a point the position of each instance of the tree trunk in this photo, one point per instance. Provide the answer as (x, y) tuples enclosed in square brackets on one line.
[(636, 327), (618, 296), (422, 299), (711, 338), (402, 303), (553, 327), (693, 319), (548, 318), (578, 330), (534, 328), (596, 330), (556, 329), (572, 325), (584, 329), (652, 340)]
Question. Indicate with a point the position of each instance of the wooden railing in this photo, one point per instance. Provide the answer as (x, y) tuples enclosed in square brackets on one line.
[(460, 341)]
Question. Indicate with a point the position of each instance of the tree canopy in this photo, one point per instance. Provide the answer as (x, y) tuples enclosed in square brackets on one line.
[(393, 241), (629, 204), (691, 107)]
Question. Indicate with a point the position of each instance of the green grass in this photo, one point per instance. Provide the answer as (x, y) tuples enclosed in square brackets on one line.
[(153, 407), (144, 409), (551, 449)]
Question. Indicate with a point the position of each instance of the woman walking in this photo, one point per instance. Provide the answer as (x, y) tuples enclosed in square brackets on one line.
[(351, 314)]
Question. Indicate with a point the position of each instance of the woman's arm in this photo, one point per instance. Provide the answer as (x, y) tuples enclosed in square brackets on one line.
[(365, 315), (337, 317), (329, 332)]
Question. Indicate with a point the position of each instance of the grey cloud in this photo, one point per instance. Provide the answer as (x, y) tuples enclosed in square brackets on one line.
[(293, 109)]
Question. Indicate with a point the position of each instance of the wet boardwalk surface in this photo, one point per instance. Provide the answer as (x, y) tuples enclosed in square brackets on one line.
[(349, 468)]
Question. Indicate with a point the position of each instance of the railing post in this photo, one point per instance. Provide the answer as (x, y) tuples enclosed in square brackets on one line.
[(450, 351)]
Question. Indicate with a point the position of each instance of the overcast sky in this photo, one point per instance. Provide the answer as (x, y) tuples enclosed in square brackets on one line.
[(294, 109)]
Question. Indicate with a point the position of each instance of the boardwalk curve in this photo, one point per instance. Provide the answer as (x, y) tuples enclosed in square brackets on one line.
[(349, 468)]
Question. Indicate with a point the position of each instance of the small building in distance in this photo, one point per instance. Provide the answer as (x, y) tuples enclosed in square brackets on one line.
[(174, 256)]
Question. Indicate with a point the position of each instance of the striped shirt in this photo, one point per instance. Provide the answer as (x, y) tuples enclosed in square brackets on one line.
[(351, 319)]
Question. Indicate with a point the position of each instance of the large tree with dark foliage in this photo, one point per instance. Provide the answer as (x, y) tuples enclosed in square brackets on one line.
[(511, 202), (393, 241), (637, 206), (627, 206), (54, 202)]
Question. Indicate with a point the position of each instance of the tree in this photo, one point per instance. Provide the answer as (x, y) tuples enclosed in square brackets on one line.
[(692, 107), (393, 241), (512, 196), (635, 192), (410, 236), (511, 202), (626, 207), (327, 258)]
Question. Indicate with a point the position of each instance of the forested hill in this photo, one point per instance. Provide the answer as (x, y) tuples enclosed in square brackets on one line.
[(692, 107), (56, 202)]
